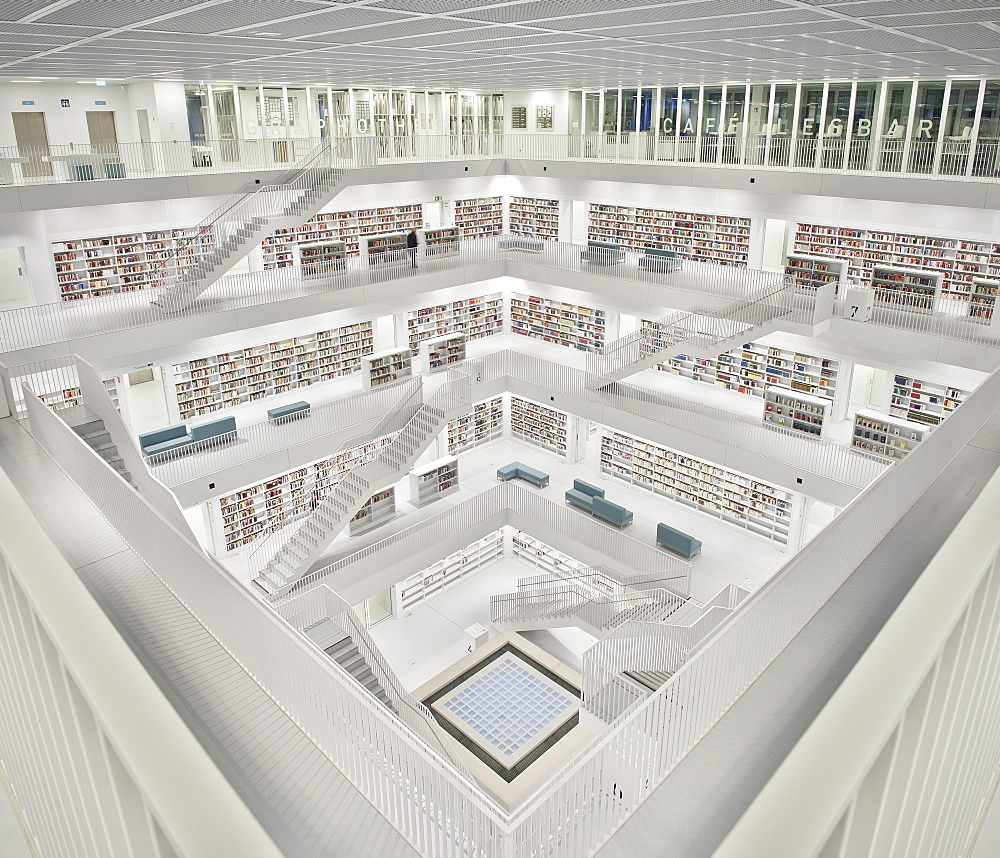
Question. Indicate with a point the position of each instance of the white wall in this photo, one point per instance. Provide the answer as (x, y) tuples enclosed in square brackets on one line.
[(65, 124), (557, 98), (171, 111)]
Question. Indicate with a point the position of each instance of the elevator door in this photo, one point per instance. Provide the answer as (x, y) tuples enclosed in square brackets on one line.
[(32, 142), (102, 130)]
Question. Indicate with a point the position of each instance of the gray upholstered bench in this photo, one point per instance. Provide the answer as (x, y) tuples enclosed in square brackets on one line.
[(518, 469), (591, 498), (291, 411), (658, 259), (603, 253), (180, 439), (675, 540), (528, 245)]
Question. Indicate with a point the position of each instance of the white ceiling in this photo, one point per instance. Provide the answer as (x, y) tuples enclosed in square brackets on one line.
[(478, 44)]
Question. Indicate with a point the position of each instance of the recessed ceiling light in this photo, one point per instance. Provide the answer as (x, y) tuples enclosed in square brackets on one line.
[(267, 33)]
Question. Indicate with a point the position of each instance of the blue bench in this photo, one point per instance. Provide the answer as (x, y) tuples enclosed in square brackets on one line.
[(658, 259), (675, 540), (603, 253), (291, 411), (518, 469), (529, 245), (182, 439), (592, 499)]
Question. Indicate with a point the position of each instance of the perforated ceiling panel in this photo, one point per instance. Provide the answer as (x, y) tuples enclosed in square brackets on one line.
[(479, 44)]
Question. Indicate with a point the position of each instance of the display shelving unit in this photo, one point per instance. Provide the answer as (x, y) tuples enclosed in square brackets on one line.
[(915, 290), (736, 499), (109, 264), (349, 227), (539, 425), (923, 402), (111, 386), (378, 509), (960, 262), (475, 317), (885, 436), (444, 352), (434, 480), (756, 366), (57, 400), (386, 249), (811, 272), (533, 217), (441, 242), (479, 217), (209, 383), (385, 367), (320, 258), (718, 239), (275, 502), (982, 301), (558, 322), (484, 423), (458, 565), (798, 412)]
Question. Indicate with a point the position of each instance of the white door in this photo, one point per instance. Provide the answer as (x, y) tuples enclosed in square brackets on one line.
[(15, 287)]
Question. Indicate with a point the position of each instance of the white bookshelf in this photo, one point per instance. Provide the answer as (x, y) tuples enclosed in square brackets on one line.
[(321, 258), (735, 498), (795, 411), (484, 423), (477, 317), (557, 322), (111, 386), (378, 509), (206, 384), (125, 262), (59, 399), (385, 367), (386, 249), (441, 242), (811, 272), (479, 216), (539, 425), (277, 501), (915, 290), (537, 218), (441, 575), (701, 237), (982, 301), (891, 437), (756, 366), (350, 227), (443, 353), (924, 402), (434, 480)]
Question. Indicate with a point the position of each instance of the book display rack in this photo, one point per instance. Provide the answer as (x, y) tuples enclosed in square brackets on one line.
[(444, 352), (719, 239), (923, 402), (557, 322), (109, 264), (538, 425), (384, 367), (982, 300), (272, 504), (319, 258), (885, 436), (349, 227), (795, 411), (811, 272), (378, 509), (434, 480), (450, 570), (916, 290), (484, 423), (474, 317), (736, 499), (441, 242), (536, 218), (60, 399), (479, 217), (206, 384), (386, 249)]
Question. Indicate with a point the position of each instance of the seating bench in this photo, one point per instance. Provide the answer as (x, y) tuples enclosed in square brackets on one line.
[(592, 499), (529, 245), (603, 253), (291, 411), (518, 469), (183, 440), (675, 540), (659, 259)]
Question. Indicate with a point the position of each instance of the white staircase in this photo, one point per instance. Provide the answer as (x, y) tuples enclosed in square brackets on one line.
[(246, 219), (91, 428), (700, 332), (389, 465)]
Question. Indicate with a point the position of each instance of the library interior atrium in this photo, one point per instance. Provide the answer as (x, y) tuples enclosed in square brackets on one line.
[(499, 429)]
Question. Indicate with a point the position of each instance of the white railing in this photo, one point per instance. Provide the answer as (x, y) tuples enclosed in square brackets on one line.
[(76, 717), (907, 745), (962, 160)]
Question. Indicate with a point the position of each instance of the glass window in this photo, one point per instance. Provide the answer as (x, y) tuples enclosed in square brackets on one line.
[(838, 107), (736, 98), (809, 110), (781, 114), (987, 162), (757, 117), (647, 97), (497, 113), (927, 114), (668, 111), (611, 111), (961, 116), (629, 109), (711, 115), (864, 110), (897, 109), (690, 109)]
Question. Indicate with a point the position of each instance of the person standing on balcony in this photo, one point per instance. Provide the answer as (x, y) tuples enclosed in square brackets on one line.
[(411, 247)]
